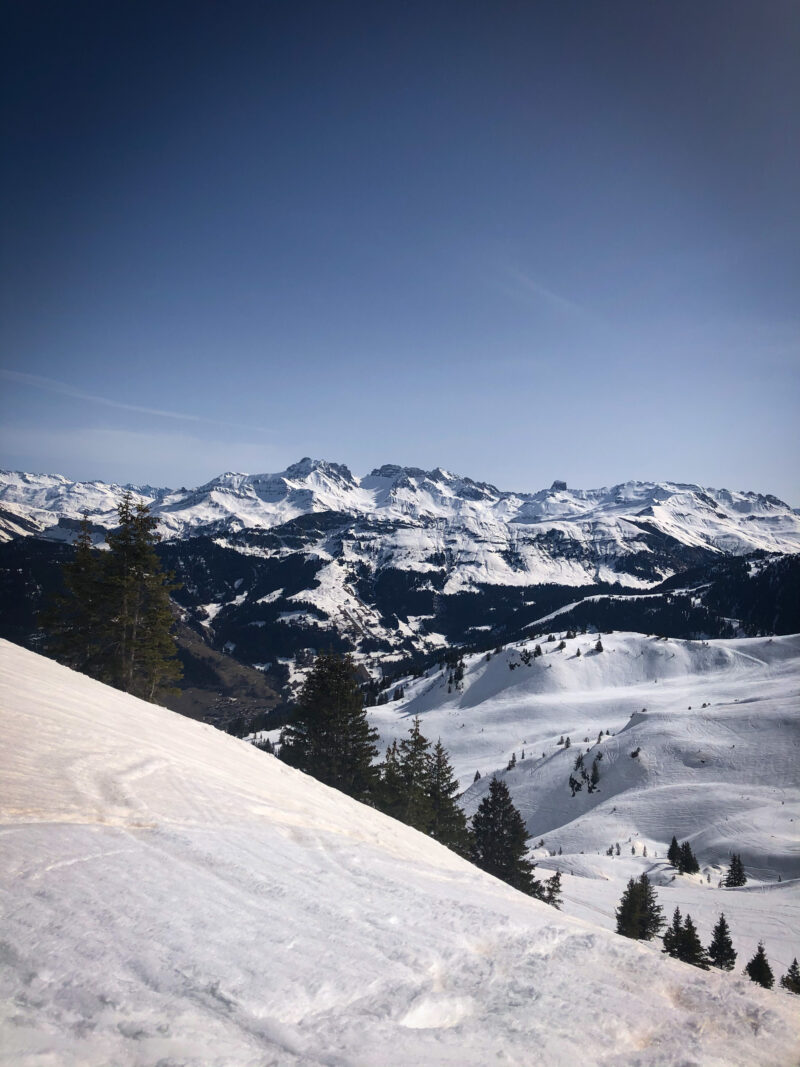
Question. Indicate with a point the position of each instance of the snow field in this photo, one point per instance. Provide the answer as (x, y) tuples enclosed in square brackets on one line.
[(722, 775), (172, 896)]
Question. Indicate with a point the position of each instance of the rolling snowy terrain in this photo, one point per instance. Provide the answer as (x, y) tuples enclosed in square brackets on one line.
[(716, 725), (172, 896)]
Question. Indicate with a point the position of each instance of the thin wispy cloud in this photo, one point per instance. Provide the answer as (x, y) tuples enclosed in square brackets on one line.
[(549, 296), (51, 385)]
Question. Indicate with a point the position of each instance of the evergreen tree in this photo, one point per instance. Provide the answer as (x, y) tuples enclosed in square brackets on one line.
[(74, 622), (759, 970), (736, 876), (639, 913), (477, 777), (552, 890), (687, 862), (629, 910), (690, 948), (672, 935), (674, 852), (416, 808), (391, 787), (115, 621), (329, 736), (721, 952), (791, 980), (499, 837), (595, 778), (448, 823)]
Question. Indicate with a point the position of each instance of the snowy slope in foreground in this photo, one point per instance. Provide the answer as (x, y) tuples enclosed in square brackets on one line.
[(173, 896)]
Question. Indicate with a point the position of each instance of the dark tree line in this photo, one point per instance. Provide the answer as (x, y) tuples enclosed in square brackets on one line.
[(114, 618)]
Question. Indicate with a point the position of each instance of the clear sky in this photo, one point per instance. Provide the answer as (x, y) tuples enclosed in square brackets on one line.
[(522, 241)]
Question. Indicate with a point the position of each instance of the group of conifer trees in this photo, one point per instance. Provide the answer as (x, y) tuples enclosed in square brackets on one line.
[(640, 916), (329, 737), (417, 786), (682, 857), (113, 619)]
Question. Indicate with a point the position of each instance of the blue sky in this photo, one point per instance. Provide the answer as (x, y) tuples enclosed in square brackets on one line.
[(522, 241)]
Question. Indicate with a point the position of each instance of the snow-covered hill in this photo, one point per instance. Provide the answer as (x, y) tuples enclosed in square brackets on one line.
[(716, 729), (171, 895)]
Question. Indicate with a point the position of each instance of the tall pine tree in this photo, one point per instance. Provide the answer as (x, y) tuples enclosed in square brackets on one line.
[(690, 948), (391, 788), (416, 808), (672, 935), (114, 621), (75, 622), (721, 952), (329, 736), (448, 823), (499, 838), (674, 852)]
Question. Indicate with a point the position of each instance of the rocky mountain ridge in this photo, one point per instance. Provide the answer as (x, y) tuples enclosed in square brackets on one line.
[(404, 562)]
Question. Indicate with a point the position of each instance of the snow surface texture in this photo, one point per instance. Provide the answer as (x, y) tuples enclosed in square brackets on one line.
[(173, 896), (717, 765), (414, 517)]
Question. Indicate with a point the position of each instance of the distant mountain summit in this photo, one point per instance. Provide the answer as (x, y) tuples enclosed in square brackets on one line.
[(409, 560), (612, 519)]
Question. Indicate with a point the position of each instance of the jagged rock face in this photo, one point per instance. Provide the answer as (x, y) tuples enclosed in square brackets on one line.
[(404, 559)]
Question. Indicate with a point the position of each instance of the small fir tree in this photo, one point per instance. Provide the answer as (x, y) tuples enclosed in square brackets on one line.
[(759, 970), (735, 876), (690, 948), (552, 891), (639, 914), (672, 935), (629, 910), (721, 952), (499, 838), (674, 852), (791, 980)]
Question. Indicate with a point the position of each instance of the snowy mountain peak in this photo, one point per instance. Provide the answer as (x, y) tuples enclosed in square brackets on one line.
[(635, 532)]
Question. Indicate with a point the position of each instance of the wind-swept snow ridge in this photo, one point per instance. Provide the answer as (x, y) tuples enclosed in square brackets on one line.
[(173, 896)]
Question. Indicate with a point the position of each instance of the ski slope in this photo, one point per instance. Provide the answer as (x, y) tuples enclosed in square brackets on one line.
[(172, 896), (717, 728)]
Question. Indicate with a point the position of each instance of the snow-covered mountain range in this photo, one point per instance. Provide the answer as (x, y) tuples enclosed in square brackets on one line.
[(554, 535), (174, 896), (405, 560)]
